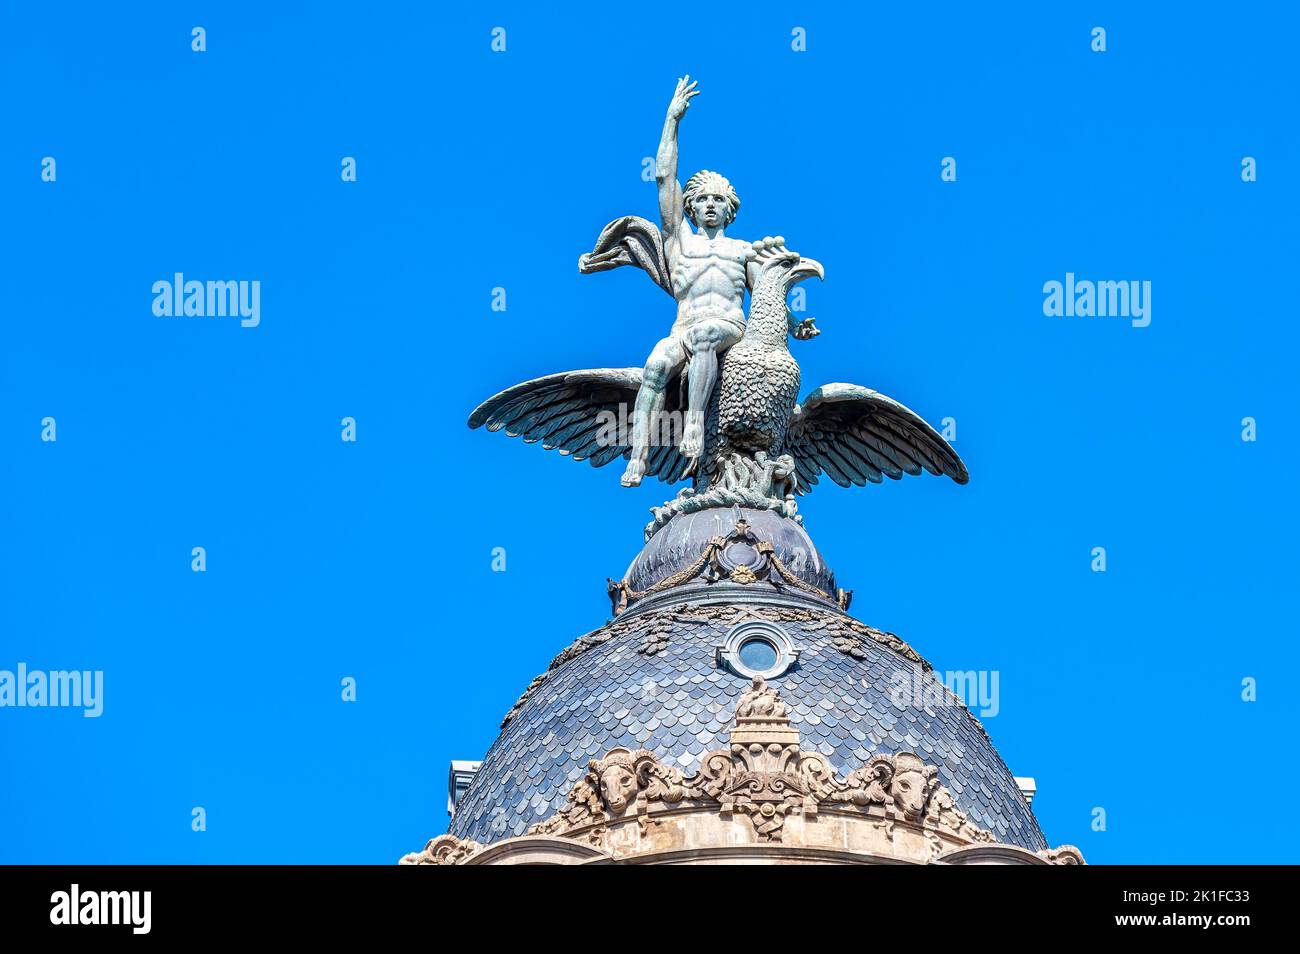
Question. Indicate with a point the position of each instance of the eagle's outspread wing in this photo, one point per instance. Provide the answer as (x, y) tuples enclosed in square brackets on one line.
[(854, 435), (585, 415)]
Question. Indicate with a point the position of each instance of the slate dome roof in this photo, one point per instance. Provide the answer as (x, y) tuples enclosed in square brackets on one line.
[(652, 678)]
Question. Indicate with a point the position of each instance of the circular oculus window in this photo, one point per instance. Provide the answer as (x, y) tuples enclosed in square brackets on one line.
[(757, 648)]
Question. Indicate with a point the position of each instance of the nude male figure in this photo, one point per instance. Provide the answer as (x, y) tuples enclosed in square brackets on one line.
[(710, 273)]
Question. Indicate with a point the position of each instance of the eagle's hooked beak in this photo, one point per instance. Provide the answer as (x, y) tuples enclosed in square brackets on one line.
[(806, 268)]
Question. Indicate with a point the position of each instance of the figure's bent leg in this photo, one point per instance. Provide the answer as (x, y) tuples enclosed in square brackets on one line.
[(641, 416), (666, 358), (707, 342), (702, 375)]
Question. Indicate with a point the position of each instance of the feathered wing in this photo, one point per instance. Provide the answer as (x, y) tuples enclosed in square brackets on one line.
[(630, 240), (855, 435), (578, 414)]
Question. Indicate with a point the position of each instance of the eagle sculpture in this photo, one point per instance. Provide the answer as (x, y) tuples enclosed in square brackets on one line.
[(762, 446)]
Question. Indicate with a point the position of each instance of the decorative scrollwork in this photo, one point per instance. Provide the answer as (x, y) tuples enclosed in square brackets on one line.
[(443, 850), (1064, 855)]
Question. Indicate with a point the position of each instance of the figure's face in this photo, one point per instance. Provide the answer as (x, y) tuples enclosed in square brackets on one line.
[(710, 209)]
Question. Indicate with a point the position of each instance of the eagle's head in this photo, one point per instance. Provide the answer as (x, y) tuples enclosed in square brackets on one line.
[(789, 268)]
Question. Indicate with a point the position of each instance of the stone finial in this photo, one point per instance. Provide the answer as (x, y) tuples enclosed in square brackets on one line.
[(761, 779), (762, 704)]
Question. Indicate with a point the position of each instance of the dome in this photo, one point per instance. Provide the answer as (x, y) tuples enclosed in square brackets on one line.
[(678, 545), (713, 597)]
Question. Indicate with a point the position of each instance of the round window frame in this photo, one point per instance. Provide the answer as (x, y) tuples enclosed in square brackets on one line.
[(728, 654)]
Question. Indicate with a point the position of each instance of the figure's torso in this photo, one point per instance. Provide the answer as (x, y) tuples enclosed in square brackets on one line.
[(709, 279)]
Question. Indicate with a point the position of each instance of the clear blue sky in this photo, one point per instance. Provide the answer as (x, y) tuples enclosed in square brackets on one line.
[(372, 560)]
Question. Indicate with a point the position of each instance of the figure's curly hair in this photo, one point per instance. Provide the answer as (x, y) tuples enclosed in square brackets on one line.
[(707, 182)]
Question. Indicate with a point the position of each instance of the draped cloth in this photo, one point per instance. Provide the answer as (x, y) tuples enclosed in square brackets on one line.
[(630, 240)]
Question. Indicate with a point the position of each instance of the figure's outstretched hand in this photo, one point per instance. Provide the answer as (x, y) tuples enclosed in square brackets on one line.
[(806, 330), (682, 97)]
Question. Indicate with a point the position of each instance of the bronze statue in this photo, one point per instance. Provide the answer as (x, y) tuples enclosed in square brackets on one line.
[(745, 441)]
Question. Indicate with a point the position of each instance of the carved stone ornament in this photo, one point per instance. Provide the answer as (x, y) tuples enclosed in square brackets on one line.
[(762, 780), (1064, 855), (622, 782), (443, 850), (762, 776)]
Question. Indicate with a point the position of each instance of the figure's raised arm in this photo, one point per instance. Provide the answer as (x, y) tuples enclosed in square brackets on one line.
[(670, 190)]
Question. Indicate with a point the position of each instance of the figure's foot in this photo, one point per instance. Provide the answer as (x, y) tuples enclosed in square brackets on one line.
[(635, 471), (693, 435)]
